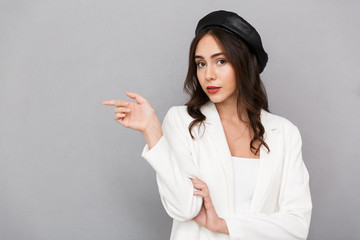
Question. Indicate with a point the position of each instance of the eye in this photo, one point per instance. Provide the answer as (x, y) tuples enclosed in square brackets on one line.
[(200, 64), (221, 61)]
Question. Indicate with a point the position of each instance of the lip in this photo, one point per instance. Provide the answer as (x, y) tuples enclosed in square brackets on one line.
[(213, 89)]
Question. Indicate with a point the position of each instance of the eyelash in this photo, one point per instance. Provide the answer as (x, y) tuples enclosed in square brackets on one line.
[(198, 64), (222, 60)]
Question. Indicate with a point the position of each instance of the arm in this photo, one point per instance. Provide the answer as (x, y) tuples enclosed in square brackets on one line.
[(293, 218), (168, 154), (171, 158), (153, 133)]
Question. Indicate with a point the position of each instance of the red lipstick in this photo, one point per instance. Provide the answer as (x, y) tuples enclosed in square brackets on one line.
[(213, 89)]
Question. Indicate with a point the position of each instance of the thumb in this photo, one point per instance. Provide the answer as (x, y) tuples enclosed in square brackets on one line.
[(136, 96)]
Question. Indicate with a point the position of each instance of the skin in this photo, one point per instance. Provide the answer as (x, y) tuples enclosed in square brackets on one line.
[(213, 69), (138, 115)]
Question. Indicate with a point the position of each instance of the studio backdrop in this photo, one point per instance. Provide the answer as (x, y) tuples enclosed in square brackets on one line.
[(69, 171)]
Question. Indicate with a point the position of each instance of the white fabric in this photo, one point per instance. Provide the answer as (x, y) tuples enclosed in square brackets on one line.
[(246, 172), (281, 205)]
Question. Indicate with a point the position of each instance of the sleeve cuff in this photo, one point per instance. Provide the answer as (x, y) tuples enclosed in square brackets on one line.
[(235, 231), (156, 151)]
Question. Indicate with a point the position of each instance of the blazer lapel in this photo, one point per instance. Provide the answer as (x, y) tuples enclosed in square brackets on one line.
[(216, 132), (266, 163), (264, 178)]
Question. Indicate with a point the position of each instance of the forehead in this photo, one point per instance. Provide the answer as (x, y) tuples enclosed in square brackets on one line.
[(207, 46)]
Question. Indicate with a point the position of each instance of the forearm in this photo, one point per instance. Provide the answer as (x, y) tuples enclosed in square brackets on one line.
[(223, 227), (291, 226), (153, 133), (175, 188), (170, 156)]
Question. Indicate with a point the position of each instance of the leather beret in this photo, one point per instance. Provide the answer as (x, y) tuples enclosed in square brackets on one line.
[(233, 23)]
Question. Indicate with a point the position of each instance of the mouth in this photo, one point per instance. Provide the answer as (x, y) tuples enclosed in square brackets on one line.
[(212, 89)]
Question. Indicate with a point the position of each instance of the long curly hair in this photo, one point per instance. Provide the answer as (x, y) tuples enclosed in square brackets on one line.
[(251, 91)]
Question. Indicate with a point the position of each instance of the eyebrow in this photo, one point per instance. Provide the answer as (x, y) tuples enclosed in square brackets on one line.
[(212, 56)]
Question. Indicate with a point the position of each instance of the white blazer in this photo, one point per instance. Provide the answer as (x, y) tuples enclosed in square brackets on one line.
[(281, 205)]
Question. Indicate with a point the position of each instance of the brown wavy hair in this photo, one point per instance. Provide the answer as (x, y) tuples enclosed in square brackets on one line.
[(251, 91)]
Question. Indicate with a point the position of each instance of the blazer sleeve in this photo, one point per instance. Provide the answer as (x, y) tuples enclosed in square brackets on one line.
[(172, 160), (292, 221)]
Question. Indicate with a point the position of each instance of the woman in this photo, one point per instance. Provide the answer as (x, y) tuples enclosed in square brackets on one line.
[(226, 168)]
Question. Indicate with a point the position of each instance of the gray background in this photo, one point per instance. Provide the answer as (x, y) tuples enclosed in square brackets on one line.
[(69, 171)]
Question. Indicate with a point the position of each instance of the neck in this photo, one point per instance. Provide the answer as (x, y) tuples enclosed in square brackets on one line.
[(228, 112)]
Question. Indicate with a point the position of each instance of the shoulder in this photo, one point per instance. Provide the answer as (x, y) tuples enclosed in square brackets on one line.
[(177, 116), (178, 109), (178, 112), (177, 121), (273, 122)]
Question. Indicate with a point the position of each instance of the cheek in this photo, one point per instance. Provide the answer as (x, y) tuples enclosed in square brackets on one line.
[(199, 74), (200, 78), (231, 77), (202, 84)]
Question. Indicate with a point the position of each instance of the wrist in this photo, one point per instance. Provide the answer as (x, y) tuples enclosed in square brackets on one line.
[(153, 132), (152, 127), (222, 228)]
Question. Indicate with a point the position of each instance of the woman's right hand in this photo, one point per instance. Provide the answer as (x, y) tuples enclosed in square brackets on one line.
[(139, 115)]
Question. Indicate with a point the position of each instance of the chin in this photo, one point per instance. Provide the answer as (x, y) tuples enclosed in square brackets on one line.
[(215, 100)]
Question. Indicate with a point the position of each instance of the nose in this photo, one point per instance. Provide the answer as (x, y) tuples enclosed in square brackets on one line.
[(210, 73)]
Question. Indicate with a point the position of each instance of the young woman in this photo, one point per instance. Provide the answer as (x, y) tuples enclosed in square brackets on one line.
[(225, 166)]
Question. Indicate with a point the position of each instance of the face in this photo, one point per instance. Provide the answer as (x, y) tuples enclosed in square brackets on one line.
[(215, 74)]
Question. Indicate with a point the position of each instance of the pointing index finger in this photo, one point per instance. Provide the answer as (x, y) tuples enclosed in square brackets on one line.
[(108, 102), (115, 103)]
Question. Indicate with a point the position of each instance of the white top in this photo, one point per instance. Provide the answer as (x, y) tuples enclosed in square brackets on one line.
[(282, 171), (246, 174)]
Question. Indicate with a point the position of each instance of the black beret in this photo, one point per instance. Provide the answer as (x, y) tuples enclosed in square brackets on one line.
[(233, 23)]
